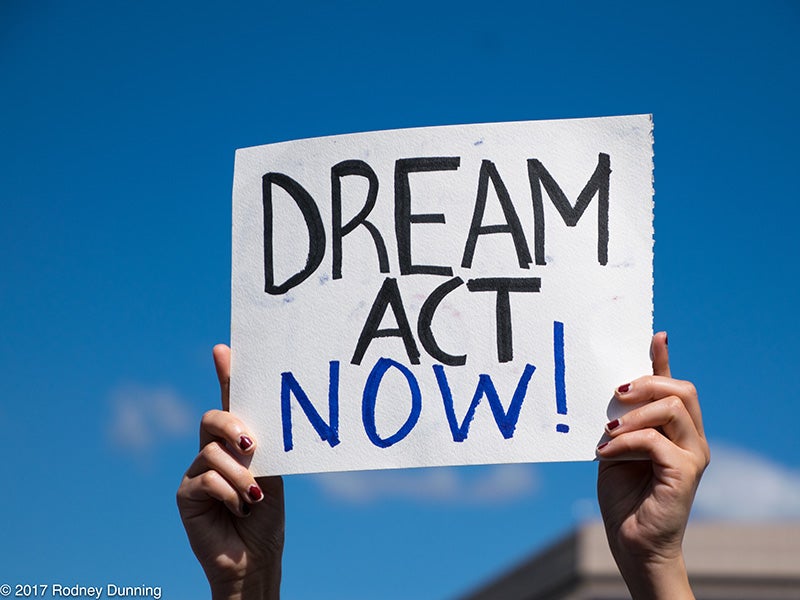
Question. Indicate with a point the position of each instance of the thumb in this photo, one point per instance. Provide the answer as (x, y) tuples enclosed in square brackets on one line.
[(222, 361), (659, 352)]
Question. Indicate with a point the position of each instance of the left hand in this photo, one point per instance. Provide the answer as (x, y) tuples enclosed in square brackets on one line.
[(646, 503)]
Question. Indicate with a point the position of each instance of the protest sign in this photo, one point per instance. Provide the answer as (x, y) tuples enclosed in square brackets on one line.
[(440, 296)]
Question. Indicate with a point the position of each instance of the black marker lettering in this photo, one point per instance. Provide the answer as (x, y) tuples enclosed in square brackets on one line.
[(512, 226), (503, 286), (342, 169), (598, 184), (316, 232), (426, 318), (389, 295), (403, 218)]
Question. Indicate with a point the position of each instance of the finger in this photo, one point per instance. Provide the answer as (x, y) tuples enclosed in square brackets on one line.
[(669, 414), (214, 457), (634, 444), (659, 351), (653, 387), (222, 361), (218, 425), (210, 485)]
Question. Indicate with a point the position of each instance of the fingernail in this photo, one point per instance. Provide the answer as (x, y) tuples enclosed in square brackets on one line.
[(624, 388), (245, 509), (612, 425), (255, 493), (245, 443), (666, 339), (603, 445)]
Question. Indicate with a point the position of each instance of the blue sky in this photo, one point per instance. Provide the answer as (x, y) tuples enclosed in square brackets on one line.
[(118, 124)]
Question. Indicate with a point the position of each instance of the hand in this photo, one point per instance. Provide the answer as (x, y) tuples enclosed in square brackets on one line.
[(234, 522), (646, 503)]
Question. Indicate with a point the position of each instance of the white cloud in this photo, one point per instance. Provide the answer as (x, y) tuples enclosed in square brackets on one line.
[(742, 485), (494, 484), (143, 417), (738, 485)]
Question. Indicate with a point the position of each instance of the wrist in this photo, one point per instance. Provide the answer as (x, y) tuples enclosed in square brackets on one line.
[(655, 578), (255, 586)]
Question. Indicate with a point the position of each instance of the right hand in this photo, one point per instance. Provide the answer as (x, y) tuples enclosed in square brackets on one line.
[(234, 522)]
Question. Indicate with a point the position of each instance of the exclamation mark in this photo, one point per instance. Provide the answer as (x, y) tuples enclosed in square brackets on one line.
[(561, 388)]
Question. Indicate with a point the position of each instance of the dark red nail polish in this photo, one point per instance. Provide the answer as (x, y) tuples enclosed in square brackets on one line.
[(255, 493), (603, 445), (612, 424), (624, 388), (245, 443), (666, 339), (246, 509)]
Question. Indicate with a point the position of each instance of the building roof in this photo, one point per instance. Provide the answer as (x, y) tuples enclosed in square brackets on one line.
[(753, 561)]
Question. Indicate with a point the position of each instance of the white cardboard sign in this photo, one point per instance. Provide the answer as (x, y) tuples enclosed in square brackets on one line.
[(440, 296)]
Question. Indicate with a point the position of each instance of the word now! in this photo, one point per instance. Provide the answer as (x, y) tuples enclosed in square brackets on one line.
[(506, 419)]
